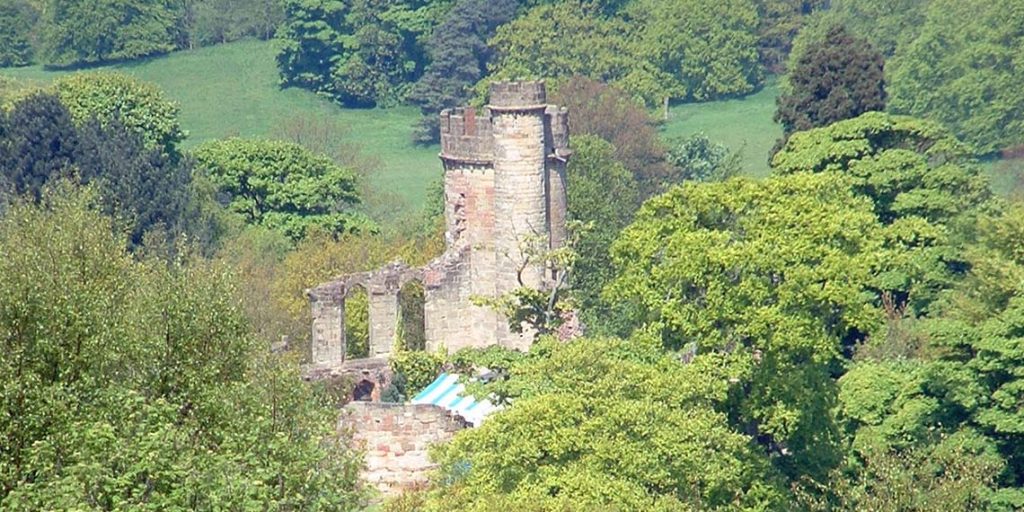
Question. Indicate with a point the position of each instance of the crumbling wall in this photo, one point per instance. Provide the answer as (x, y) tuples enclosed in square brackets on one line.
[(395, 438)]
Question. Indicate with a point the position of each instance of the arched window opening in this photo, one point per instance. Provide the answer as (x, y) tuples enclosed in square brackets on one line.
[(357, 323), (412, 331)]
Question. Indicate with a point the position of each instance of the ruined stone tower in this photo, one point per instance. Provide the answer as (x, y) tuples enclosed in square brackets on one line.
[(505, 203)]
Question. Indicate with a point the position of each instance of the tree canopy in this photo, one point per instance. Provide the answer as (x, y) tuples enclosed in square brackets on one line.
[(773, 274), (282, 186), (609, 424), (907, 166), (360, 53), (459, 56), (706, 49), (136, 384), (140, 106), (962, 71), (86, 32)]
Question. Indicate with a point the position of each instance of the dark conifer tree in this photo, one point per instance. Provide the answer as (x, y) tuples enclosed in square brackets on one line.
[(839, 77), (143, 188), (39, 142), (459, 55)]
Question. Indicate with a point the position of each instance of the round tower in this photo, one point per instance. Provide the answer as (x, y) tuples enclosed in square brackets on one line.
[(520, 183)]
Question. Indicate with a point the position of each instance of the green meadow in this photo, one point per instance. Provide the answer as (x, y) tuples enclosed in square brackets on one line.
[(232, 90)]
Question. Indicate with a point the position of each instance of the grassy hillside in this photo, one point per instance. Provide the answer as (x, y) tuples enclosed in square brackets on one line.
[(744, 125), (232, 90)]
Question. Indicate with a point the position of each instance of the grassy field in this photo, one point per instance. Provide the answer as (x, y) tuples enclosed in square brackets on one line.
[(744, 125), (232, 89)]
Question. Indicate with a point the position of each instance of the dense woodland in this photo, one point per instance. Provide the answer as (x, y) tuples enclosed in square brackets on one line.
[(844, 334)]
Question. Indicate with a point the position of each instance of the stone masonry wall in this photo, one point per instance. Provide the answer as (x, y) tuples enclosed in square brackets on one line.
[(396, 438), (505, 198)]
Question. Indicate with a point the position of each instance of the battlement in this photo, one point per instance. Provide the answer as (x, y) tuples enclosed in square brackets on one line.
[(518, 95), (467, 136)]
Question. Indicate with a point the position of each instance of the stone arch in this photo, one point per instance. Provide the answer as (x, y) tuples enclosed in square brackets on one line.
[(411, 304)]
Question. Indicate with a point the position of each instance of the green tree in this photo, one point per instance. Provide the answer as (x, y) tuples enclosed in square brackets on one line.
[(963, 70), (697, 158), (361, 53), (707, 48), (604, 424), (17, 22), (135, 384), (459, 56), (602, 194), (222, 21), (924, 184), (907, 166), (839, 77), (774, 274), (886, 24), (559, 40), (779, 23), (283, 186), (140, 106), (86, 32)]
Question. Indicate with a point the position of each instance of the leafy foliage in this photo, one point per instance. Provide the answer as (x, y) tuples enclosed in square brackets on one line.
[(775, 275), (886, 24), (141, 107), (17, 20), (607, 424), (961, 71), (907, 166), (221, 21), (705, 49), (136, 384), (839, 77), (603, 195), (144, 189), (609, 113), (361, 53), (558, 40), (697, 158), (87, 32), (282, 186), (779, 23)]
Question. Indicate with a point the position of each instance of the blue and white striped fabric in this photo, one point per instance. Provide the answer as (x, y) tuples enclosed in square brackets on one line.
[(446, 392)]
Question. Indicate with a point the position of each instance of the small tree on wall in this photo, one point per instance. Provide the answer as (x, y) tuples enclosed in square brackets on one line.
[(839, 78)]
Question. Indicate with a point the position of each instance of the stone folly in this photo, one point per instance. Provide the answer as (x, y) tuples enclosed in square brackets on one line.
[(505, 203)]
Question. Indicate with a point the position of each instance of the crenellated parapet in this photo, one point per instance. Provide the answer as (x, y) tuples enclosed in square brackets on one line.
[(523, 96), (466, 137)]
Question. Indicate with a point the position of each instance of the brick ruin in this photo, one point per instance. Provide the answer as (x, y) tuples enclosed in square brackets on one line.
[(395, 438), (505, 199)]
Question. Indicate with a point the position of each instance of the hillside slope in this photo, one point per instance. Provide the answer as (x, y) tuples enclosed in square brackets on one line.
[(232, 89)]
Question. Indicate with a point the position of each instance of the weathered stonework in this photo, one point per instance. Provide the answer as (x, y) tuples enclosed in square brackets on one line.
[(505, 200), (395, 438)]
